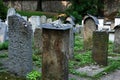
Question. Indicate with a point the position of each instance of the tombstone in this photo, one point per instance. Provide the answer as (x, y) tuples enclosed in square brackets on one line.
[(10, 12), (90, 25), (24, 17), (116, 47), (78, 28), (38, 39), (100, 47), (43, 19), (49, 20), (117, 21), (101, 23), (106, 27), (20, 46), (35, 21), (55, 52), (3, 32)]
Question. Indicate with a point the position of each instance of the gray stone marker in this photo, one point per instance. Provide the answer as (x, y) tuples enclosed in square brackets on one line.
[(55, 52), (43, 19), (90, 25), (3, 32), (116, 47), (20, 46), (10, 12), (35, 21), (100, 47), (38, 39), (49, 20)]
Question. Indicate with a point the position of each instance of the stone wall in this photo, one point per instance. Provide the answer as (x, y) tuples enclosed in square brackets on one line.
[(47, 6)]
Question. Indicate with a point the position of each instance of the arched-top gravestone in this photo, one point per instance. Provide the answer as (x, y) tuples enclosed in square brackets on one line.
[(116, 48), (90, 25), (20, 45)]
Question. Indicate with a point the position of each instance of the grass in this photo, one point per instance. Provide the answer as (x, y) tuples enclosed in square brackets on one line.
[(38, 13)]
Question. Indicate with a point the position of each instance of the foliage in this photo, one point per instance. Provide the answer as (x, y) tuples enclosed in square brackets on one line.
[(3, 10), (78, 43), (4, 55), (80, 8), (37, 60), (4, 45), (34, 75)]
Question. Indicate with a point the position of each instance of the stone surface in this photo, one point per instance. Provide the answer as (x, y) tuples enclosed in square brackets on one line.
[(10, 12), (91, 70), (35, 21), (3, 32), (54, 55), (100, 47), (49, 20), (89, 27), (43, 19), (38, 39), (116, 48), (20, 46)]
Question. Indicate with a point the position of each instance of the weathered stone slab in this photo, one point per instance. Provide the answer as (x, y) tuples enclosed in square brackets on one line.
[(100, 47), (35, 21), (90, 25), (116, 48), (3, 32), (20, 46), (38, 39), (54, 55), (43, 19)]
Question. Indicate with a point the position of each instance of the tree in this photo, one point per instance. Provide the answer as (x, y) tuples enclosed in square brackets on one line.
[(80, 8), (3, 10)]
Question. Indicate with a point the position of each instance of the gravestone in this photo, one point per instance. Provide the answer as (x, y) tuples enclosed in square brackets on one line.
[(10, 12), (100, 47), (117, 21), (3, 32), (20, 46), (116, 47), (43, 19), (101, 23), (49, 20), (24, 17), (38, 39), (90, 25), (35, 21), (55, 52)]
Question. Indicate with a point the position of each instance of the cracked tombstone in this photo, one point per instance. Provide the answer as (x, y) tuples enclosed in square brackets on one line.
[(20, 46), (55, 52), (116, 47), (35, 21), (3, 32), (100, 47), (90, 25)]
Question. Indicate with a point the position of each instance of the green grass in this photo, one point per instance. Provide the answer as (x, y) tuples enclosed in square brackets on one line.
[(4, 45), (38, 13)]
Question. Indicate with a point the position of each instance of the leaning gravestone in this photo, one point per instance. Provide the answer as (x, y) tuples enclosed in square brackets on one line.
[(3, 32), (90, 25), (100, 47), (116, 48), (20, 46), (38, 39), (43, 19), (55, 51), (35, 21)]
